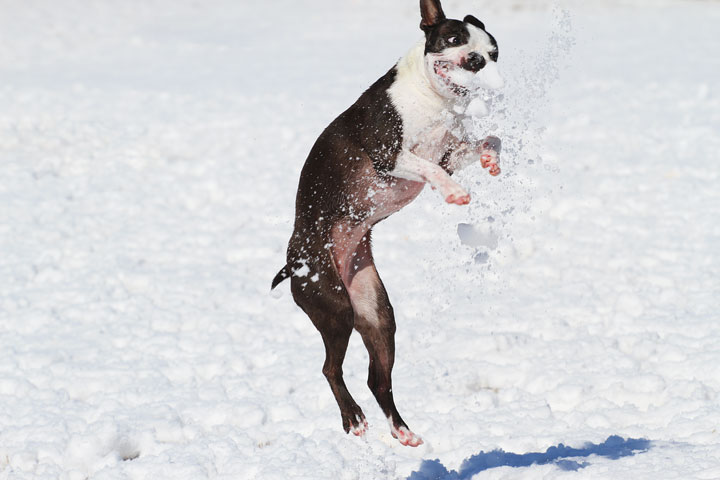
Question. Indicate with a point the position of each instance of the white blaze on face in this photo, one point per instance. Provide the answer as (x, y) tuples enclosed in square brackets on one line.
[(479, 41)]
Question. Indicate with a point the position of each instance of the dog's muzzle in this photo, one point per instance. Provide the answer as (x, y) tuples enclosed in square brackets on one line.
[(443, 69), (473, 62)]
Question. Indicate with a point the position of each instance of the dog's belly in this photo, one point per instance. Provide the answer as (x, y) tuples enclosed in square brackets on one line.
[(382, 199)]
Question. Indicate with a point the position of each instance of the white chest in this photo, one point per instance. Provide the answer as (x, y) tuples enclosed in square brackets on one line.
[(426, 116), (432, 144)]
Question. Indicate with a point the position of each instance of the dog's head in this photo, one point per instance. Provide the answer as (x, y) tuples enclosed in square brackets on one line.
[(459, 55)]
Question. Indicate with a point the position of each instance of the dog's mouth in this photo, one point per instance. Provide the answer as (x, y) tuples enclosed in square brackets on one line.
[(443, 69)]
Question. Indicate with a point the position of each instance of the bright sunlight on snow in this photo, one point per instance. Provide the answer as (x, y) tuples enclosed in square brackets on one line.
[(564, 324)]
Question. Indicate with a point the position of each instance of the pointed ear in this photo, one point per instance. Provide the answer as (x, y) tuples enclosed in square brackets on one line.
[(474, 21), (431, 12)]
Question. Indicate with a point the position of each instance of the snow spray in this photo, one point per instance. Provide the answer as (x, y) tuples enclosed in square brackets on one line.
[(514, 114)]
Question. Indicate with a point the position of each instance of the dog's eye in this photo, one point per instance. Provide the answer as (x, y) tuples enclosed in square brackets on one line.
[(452, 40)]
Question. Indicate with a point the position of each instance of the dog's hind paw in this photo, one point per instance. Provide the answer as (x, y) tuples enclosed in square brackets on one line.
[(360, 428), (406, 437)]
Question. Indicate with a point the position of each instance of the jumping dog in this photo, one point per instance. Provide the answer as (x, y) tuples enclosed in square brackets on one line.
[(371, 161)]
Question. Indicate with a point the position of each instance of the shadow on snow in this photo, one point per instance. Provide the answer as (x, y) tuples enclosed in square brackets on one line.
[(566, 458)]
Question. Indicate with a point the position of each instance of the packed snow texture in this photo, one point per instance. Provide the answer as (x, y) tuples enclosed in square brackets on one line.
[(564, 323)]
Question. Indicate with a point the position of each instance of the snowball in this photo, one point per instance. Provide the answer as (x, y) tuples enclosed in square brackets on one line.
[(477, 108)]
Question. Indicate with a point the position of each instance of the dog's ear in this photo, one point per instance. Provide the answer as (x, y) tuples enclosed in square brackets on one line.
[(474, 21), (432, 13)]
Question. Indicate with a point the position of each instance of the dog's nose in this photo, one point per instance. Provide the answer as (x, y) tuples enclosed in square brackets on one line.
[(474, 62)]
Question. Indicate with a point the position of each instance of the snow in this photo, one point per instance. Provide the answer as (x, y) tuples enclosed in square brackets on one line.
[(564, 323)]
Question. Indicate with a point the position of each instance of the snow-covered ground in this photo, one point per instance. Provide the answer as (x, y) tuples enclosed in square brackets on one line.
[(563, 325)]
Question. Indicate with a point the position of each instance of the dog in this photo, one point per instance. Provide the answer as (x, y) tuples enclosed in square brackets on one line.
[(371, 161)]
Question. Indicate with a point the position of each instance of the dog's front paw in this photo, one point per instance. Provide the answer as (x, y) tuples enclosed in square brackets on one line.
[(490, 160), (490, 154), (454, 193), (458, 199)]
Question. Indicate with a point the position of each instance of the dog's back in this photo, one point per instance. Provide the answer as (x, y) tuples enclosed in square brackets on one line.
[(362, 141)]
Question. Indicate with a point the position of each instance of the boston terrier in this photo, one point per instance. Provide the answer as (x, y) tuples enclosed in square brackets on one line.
[(371, 161)]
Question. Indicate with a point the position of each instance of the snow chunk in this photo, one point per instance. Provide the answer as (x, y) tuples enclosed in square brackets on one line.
[(477, 236)]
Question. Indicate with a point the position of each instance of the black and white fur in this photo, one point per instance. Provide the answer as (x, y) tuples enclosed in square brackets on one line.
[(371, 161)]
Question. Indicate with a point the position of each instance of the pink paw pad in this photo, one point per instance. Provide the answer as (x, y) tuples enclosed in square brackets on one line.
[(361, 428), (406, 437), (489, 158), (458, 199)]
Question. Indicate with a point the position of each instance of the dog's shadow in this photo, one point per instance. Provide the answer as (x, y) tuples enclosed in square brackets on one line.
[(566, 458)]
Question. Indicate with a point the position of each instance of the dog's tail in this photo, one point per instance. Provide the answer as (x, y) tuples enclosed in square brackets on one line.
[(283, 274)]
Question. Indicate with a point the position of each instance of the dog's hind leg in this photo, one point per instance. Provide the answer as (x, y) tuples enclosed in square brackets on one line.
[(324, 299), (375, 321)]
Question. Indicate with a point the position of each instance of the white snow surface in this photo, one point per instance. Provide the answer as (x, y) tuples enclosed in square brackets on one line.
[(563, 325)]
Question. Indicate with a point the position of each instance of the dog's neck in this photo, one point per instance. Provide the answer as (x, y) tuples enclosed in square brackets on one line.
[(413, 74), (419, 104)]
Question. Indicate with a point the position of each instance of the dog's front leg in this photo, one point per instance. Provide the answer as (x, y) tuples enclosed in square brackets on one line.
[(487, 152), (411, 167)]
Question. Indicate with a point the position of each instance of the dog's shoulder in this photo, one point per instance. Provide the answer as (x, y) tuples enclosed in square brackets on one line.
[(371, 126)]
